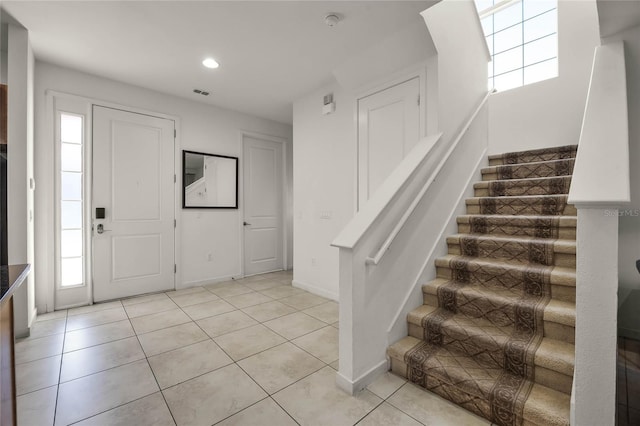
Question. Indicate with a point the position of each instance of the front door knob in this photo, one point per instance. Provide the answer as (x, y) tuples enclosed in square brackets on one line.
[(100, 229)]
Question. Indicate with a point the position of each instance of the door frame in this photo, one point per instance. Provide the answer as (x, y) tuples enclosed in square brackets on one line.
[(285, 195), (417, 71), (89, 103)]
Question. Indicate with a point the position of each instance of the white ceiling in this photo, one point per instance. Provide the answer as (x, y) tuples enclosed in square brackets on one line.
[(270, 52), (617, 15)]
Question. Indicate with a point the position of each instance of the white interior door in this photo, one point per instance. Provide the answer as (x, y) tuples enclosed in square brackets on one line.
[(133, 168), (263, 200), (388, 128)]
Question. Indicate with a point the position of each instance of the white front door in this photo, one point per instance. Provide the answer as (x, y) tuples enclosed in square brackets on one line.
[(388, 127), (133, 181), (263, 200)]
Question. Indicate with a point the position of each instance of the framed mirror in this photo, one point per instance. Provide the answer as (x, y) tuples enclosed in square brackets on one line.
[(209, 181)]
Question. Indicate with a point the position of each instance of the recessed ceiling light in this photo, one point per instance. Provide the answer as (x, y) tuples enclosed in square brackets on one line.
[(210, 63)]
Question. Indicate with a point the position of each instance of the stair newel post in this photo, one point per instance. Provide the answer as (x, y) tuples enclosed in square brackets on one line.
[(352, 340), (596, 317)]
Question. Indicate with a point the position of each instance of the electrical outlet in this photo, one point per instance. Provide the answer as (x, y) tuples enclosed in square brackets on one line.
[(313, 261), (209, 257)]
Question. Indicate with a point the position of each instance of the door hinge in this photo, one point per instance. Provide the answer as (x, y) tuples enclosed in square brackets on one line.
[(175, 178), (175, 223), (418, 100), (175, 268), (175, 133)]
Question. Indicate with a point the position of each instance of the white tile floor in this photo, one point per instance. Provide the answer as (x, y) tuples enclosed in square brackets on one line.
[(249, 352)]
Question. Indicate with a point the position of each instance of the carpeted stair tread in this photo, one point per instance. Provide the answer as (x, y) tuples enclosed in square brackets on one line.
[(559, 245), (519, 225), (546, 407), (531, 186), (540, 169), (557, 275), (552, 354), (556, 356), (556, 311), (467, 382), (518, 248), (499, 305), (533, 155), (545, 205)]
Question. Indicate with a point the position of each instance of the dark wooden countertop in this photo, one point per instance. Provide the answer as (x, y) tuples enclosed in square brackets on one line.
[(11, 277)]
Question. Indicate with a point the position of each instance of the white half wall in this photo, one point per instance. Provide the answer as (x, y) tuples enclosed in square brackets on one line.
[(203, 128), (549, 113), (19, 170)]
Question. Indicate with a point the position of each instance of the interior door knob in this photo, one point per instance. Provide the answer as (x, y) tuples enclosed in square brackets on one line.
[(246, 223)]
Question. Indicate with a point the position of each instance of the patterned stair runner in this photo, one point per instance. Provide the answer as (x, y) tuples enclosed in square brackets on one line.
[(496, 333)]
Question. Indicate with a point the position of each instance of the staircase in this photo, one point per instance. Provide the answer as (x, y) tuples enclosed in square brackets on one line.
[(495, 334)]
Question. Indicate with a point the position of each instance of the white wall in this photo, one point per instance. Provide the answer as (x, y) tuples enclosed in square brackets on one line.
[(3, 67), (324, 161), (20, 168), (203, 128), (549, 113), (325, 149), (461, 63)]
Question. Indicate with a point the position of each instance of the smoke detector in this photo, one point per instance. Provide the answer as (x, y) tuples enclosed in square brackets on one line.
[(332, 19)]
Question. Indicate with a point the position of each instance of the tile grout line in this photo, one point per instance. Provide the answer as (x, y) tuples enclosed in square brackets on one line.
[(55, 407), (406, 382), (146, 358)]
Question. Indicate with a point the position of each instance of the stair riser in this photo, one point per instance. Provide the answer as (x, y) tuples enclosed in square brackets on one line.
[(531, 159), (552, 330), (543, 376), (566, 233), (515, 208), (515, 192), (540, 155), (500, 188), (559, 259), (563, 292), (529, 171), (492, 275)]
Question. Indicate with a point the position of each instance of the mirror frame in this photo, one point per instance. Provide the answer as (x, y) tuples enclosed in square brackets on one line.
[(184, 187)]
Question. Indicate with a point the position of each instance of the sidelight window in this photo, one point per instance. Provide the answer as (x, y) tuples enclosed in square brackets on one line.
[(70, 218)]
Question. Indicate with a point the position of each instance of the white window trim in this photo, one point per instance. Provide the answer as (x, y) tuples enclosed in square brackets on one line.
[(496, 8)]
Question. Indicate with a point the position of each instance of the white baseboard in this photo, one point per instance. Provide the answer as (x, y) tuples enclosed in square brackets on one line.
[(315, 290), (199, 283), (352, 387)]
